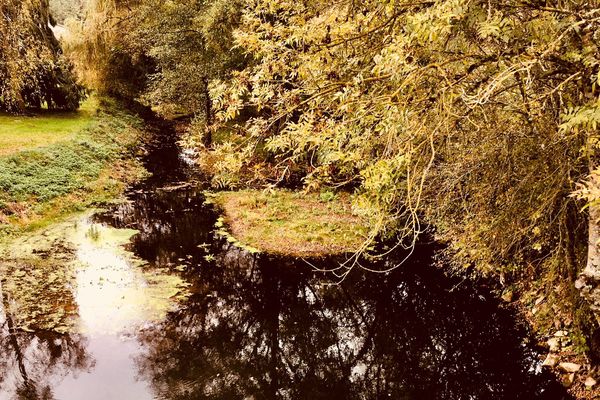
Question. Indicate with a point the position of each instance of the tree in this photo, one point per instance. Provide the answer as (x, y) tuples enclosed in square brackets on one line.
[(33, 71), (96, 45), (190, 42), (478, 118), (167, 56)]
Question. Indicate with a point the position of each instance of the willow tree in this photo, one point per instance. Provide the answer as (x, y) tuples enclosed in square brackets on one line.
[(162, 53), (97, 46), (33, 71), (476, 117)]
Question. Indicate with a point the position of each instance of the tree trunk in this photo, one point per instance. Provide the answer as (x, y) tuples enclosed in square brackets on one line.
[(592, 268), (589, 281), (207, 114)]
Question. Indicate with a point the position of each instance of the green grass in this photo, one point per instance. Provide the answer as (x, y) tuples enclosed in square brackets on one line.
[(291, 223), (18, 133), (88, 166)]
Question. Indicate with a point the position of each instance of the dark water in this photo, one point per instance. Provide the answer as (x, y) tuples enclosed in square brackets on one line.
[(268, 328)]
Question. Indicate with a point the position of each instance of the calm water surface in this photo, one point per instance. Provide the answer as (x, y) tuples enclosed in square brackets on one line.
[(257, 327)]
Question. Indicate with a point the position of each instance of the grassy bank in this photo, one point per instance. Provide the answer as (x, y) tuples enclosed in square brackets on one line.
[(52, 164), (293, 224), (19, 133)]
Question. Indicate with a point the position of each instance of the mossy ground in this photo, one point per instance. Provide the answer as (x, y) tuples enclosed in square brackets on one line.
[(293, 224), (86, 160)]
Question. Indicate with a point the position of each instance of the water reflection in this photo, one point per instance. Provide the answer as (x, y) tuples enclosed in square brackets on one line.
[(270, 329), (254, 328), (30, 363), (172, 223), (114, 294), (113, 376)]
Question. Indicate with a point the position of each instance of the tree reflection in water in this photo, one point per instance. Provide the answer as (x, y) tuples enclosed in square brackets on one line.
[(269, 329), (32, 363)]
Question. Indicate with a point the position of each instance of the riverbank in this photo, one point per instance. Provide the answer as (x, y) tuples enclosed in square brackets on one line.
[(178, 293), (562, 324), (54, 164)]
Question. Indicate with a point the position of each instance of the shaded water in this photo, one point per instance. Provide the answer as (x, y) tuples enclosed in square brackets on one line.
[(257, 327)]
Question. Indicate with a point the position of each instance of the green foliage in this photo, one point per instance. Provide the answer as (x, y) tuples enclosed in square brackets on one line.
[(327, 196), (449, 112), (39, 180), (33, 72), (191, 43), (97, 47), (163, 53), (476, 118)]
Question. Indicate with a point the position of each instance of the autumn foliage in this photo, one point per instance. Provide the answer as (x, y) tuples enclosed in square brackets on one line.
[(33, 72)]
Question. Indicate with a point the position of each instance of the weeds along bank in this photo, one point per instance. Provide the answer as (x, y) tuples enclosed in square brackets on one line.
[(52, 164)]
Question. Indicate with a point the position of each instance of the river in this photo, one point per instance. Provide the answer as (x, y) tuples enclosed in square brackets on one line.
[(169, 311)]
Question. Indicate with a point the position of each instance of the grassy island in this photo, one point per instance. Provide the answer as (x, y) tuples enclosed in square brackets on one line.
[(290, 223)]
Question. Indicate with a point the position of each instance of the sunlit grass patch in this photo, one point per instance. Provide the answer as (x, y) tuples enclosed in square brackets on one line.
[(291, 223), (18, 133)]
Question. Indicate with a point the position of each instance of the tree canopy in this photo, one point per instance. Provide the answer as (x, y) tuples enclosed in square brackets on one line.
[(469, 116), (33, 71), (461, 114)]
